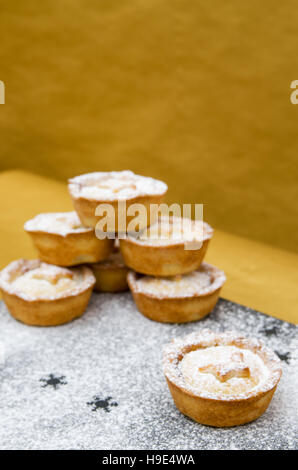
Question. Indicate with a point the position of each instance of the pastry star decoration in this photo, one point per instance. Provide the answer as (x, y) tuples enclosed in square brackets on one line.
[(53, 277), (224, 371)]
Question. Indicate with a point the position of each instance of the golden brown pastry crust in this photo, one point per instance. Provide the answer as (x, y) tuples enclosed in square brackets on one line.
[(110, 275), (47, 312), (86, 208), (54, 310), (161, 260), (220, 411), (71, 249), (175, 309), (60, 239), (137, 190), (165, 259)]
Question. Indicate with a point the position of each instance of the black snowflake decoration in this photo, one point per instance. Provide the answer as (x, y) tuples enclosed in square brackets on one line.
[(53, 381), (284, 356), (104, 403)]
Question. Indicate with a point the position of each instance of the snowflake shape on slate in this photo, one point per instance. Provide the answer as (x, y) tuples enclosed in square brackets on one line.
[(104, 403), (53, 381), (284, 356), (270, 330)]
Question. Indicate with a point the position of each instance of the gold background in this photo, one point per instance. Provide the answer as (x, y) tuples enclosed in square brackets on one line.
[(194, 93)]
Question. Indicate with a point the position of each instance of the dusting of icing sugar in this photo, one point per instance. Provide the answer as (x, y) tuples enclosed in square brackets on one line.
[(223, 370), (173, 230), (60, 223), (205, 280), (35, 280), (221, 366), (114, 186)]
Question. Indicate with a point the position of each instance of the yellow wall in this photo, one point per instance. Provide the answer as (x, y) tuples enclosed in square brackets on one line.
[(194, 92)]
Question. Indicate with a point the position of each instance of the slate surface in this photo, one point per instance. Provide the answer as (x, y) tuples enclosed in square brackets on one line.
[(97, 383)]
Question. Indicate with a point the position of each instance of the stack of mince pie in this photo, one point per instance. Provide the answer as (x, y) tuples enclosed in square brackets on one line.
[(73, 260), (217, 379)]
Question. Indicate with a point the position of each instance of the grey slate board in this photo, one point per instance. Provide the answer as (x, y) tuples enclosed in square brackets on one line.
[(107, 389)]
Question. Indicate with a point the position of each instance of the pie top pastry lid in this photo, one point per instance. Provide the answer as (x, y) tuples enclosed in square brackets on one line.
[(168, 231), (59, 223), (221, 366), (34, 280), (114, 186), (203, 281)]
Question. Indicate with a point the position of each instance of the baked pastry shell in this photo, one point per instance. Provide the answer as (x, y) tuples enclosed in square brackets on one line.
[(218, 412), (173, 309), (71, 249), (162, 260), (56, 310), (110, 278), (86, 208), (47, 312)]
